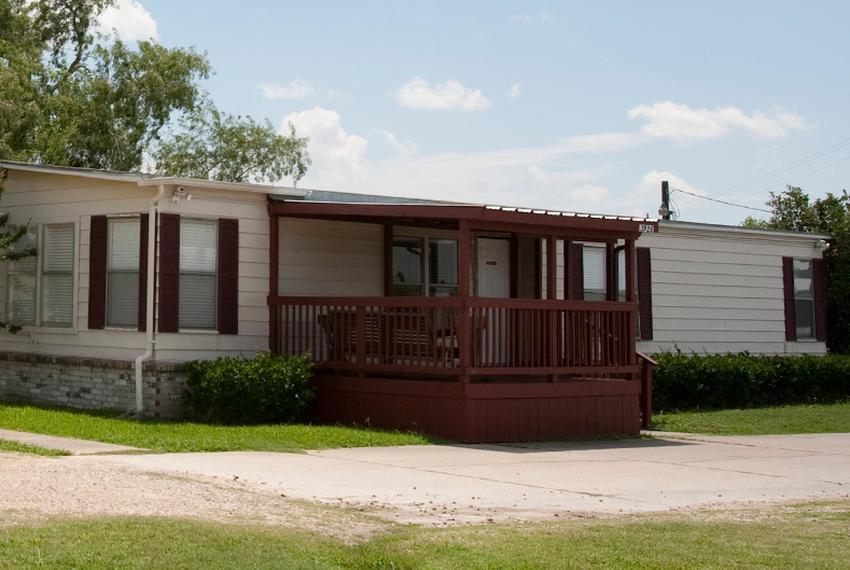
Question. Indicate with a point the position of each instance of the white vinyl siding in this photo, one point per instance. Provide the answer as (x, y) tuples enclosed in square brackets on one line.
[(719, 290), (122, 295), (198, 274), (57, 281)]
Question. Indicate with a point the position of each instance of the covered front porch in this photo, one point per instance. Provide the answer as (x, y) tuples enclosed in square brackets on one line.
[(472, 323)]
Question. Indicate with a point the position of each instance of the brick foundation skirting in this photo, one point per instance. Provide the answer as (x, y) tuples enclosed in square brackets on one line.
[(90, 383)]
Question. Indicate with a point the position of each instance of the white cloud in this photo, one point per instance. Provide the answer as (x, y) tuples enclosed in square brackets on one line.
[(396, 144), (339, 158), (542, 176), (528, 17), (295, 89), (449, 95), (681, 123), (515, 92), (130, 20)]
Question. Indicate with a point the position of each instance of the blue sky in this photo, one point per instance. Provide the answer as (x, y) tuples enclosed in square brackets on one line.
[(573, 106)]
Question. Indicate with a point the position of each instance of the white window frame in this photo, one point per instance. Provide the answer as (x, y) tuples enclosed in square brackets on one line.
[(425, 269), (109, 221), (180, 272), (810, 297), (39, 274)]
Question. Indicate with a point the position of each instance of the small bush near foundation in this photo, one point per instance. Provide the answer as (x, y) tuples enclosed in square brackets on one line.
[(235, 390), (713, 381)]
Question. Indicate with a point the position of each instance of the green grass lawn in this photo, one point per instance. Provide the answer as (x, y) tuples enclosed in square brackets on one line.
[(164, 436), (810, 536), (827, 418)]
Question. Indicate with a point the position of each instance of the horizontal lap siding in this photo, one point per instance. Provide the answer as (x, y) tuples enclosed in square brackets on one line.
[(56, 199), (714, 293), (320, 257)]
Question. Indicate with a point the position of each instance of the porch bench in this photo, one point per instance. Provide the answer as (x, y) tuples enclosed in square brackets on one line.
[(390, 338)]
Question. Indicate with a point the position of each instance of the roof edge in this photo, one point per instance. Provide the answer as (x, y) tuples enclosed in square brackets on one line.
[(722, 228)]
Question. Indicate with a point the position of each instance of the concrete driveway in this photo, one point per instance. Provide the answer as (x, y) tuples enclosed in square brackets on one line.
[(469, 483)]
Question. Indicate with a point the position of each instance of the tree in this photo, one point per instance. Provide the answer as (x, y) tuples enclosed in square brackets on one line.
[(793, 210), (71, 96), (10, 249), (217, 146)]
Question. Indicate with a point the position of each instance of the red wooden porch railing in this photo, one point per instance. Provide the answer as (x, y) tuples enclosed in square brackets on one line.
[(458, 336)]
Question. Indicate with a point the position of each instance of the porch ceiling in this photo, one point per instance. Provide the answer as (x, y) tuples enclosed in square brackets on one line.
[(477, 217)]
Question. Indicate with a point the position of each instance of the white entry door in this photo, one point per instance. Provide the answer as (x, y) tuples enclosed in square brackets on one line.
[(494, 281), (494, 267)]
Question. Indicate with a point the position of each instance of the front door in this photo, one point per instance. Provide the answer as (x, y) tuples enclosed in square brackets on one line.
[(494, 267), (493, 280)]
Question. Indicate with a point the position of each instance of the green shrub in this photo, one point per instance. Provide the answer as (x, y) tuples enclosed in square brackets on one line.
[(712, 381), (235, 390)]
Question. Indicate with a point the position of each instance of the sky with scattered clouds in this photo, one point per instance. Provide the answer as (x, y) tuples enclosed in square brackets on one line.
[(561, 105)]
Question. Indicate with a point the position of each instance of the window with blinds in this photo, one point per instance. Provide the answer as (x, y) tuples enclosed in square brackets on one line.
[(804, 299), (23, 283), (593, 261), (198, 288), (122, 272), (57, 281), (41, 289)]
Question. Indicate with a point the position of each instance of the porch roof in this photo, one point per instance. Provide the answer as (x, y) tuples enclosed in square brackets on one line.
[(476, 216)]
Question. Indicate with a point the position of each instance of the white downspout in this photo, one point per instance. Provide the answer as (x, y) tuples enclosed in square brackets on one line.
[(149, 312)]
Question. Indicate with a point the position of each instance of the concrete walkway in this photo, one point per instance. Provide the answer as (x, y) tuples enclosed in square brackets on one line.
[(71, 445), (450, 484)]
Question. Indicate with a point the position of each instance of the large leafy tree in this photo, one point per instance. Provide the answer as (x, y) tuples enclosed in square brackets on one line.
[(794, 210), (217, 146), (71, 96)]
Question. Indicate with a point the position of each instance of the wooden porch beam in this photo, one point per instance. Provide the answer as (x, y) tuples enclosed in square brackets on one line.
[(464, 282), (274, 278), (611, 271)]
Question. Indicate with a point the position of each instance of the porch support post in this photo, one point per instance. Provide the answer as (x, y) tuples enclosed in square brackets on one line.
[(388, 260), (610, 273), (568, 293), (631, 298), (630, 270), (274, 308), (464, 284), (552, 294)]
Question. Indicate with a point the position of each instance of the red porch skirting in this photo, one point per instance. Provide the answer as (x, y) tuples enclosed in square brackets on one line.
[(483, 412)]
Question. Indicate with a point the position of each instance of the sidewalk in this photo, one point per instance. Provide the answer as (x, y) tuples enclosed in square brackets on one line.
[(71, 445)]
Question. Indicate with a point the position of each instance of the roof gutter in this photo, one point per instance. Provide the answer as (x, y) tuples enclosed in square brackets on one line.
[(150, 328)]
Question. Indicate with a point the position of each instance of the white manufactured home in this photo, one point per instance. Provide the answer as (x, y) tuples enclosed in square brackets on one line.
[(418, 313)]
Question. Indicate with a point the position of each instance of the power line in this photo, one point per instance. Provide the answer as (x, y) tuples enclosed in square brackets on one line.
[(724, 202), (809, 173), (843, 143)]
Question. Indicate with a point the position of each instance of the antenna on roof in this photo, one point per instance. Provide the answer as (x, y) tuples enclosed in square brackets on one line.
[(664, 210)]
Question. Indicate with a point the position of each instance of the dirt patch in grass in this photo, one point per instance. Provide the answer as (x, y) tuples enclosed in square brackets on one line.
[(35, 488)]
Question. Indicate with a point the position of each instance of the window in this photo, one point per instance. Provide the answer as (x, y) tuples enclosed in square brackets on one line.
[(41, 289), (804, 301), (198, 306), (57, 281), (621, 274), (411, 256), (122, 270), (593, 259)]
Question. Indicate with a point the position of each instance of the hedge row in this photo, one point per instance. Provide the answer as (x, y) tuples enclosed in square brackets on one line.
[(262, 389), (693, 381)]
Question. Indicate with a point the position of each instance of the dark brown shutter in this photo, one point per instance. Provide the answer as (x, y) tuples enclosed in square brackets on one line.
[(143, 271), (228, 276), (819, 284), (97, 272), (644, 287), (788, 286), (169, 272), (575, 273)]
